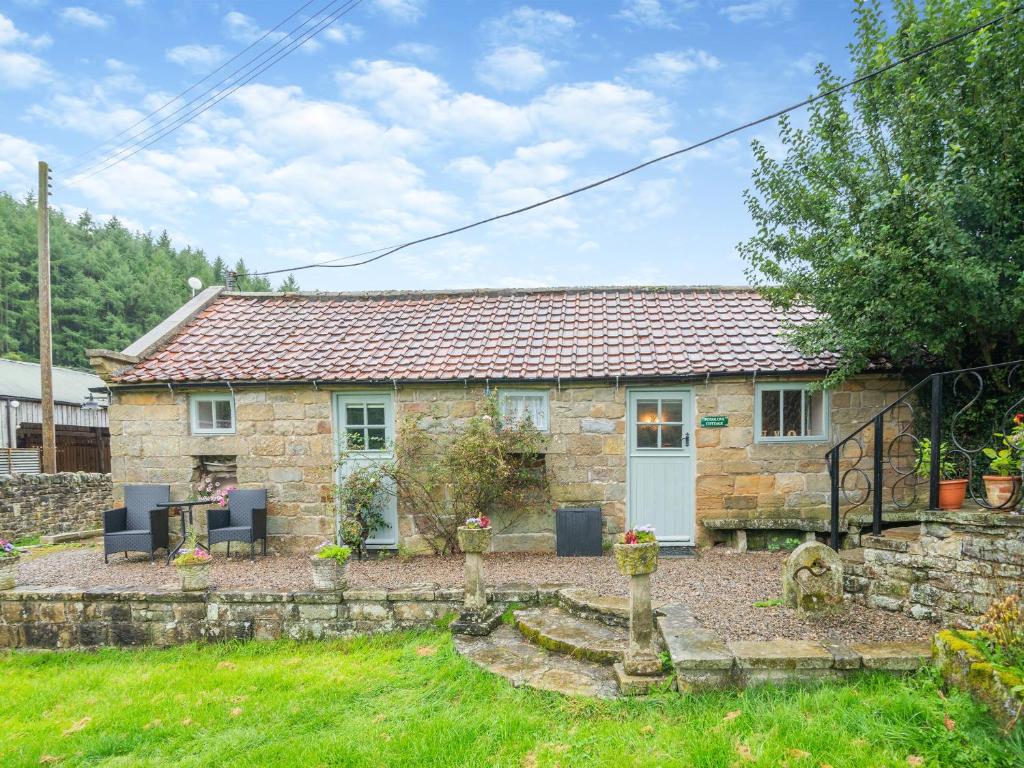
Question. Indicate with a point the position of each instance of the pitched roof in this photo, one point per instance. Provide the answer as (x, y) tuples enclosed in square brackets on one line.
[(569, 333), (20, 380)]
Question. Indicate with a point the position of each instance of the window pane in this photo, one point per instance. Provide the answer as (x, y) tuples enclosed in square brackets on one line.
[(815, 416), (223, 408), (647, 436), (672, 410), (534, 408), (356, 439), (770, 409), (354, 415), (204, 414), (792, 412), (672, 437), (374, 414), (376, 440), (647, 411)]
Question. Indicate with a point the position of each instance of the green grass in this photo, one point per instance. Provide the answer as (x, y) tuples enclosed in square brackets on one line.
[(409, 700)]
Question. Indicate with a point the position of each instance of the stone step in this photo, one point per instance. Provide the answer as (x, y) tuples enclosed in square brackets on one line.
[(612, 610), (558, 630), (507, 653)]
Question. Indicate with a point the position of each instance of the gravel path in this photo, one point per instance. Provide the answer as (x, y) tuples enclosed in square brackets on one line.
[(719, 586)]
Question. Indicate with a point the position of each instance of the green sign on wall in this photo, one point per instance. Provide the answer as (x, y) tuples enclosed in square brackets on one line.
[(714, 421)]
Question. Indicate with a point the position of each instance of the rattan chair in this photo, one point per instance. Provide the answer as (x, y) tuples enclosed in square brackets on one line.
[(138, 526), (244, 520)]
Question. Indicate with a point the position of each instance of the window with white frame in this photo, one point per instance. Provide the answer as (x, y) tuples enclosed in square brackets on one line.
[(212, 414), (518, 405), (786, 412)]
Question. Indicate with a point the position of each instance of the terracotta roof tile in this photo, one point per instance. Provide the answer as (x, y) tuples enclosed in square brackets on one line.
[(538, 334)]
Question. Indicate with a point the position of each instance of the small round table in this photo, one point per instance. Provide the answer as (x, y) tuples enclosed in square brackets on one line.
[(183, 507)]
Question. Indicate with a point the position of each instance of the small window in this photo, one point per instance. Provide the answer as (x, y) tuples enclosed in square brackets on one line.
[(788, 412), (518, 405), (212, 414), (659, 423), (365, 426)]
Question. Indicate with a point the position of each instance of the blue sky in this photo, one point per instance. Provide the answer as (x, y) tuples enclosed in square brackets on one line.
[(408, 117)]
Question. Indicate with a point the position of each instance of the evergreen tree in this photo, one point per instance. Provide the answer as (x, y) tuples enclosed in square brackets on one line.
[(290, 285)]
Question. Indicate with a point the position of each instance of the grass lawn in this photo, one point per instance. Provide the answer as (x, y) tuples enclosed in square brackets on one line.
[(409, 700)]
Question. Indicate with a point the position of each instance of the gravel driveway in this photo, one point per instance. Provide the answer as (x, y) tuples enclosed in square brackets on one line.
[(719, 586)]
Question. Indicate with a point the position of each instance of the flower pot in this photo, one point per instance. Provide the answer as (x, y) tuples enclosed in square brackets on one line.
[(8, 572), (328, 574), (1000, 490), (952, 493), (474, 539), (637, 559), (194, 577)]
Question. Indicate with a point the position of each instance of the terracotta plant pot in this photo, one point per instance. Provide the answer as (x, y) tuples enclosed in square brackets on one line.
[(328, 574), (474, 539), (637, 559), (194, 577), (8, 572), (952, 493), (1001, 491)]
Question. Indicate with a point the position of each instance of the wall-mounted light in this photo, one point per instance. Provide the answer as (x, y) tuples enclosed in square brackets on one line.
[(90, 403), (14, 404)]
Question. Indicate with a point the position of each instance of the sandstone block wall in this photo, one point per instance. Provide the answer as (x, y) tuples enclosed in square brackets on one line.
[(39, 505)]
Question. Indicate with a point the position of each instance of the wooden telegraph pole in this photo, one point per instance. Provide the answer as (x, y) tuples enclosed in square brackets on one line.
[(45, 332)]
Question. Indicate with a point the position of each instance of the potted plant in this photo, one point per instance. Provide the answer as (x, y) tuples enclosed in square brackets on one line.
[(330, 567), (475, 534), (193, 564), (637, 553), (952, 489), (8, 564), (1003, 485)]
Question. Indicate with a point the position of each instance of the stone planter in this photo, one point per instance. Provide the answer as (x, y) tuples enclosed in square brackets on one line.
[(1001, 491), (637, 559), (328, 574), (476, 540), (194, 577), (8, 572)]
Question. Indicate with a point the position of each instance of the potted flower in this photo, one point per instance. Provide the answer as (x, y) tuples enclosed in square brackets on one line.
[(8, 564), (330, 567), (1003, 485), (475, 534), (637, 553), (193, 564), (952, 489)]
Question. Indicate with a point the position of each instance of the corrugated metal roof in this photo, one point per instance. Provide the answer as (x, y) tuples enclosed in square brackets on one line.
[(20, 380)]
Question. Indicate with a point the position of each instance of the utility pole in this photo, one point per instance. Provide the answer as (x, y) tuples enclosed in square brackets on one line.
[(49, 435)]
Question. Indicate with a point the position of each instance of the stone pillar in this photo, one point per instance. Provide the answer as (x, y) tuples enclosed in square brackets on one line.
[(638, 562), (477, 618), (476, 590)]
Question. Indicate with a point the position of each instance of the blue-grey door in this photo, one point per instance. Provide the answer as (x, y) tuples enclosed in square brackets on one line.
[(365, 422), (661, 463)]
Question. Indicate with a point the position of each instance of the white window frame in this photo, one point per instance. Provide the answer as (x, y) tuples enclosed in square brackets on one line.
[(790, 386), (505, 394), (211, 397)]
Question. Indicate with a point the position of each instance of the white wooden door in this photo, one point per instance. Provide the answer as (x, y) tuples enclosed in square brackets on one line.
[(365, 423), (661, 463)]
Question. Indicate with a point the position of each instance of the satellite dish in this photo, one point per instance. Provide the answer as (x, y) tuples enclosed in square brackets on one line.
[(195, 283)]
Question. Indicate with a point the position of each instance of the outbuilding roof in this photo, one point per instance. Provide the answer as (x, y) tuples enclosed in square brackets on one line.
[(20, 380), (542, 334)]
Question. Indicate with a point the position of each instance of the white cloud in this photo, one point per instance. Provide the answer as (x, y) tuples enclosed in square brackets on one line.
[(806, 64), (21, 70), (532, 26), (198, 58), (402, 11), (655, 14), (10, 35), (18, 159), (83, 17), (339, 32), (670, 67), (513, 68), (229, 196), (416, 51), (94, 114), (759, 10), (242, 28)]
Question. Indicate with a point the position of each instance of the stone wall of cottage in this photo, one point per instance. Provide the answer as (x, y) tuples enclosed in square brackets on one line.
[(41, 505), (284, 442)]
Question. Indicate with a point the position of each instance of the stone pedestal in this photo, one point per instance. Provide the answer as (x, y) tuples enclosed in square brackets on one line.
[(638, 562), (812, 579), (477, 618)]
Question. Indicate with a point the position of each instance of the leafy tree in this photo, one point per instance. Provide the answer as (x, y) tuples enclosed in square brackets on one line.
[(898, 212), (290, 285)]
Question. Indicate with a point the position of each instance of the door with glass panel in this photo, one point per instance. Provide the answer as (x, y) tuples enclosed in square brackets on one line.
[(661, 463), (364, 424)]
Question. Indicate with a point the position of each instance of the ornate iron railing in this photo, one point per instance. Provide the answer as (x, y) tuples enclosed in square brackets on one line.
[(904, 449)]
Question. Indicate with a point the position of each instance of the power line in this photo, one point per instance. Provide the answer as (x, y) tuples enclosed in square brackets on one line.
[(189, 116), (194, 85), (717, 137)]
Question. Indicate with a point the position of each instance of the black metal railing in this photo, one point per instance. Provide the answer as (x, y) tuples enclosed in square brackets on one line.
[(959, 413)]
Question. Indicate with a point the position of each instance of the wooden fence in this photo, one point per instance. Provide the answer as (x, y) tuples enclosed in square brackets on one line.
[(79, 449)]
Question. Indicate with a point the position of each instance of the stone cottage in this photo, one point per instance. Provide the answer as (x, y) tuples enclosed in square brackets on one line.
[(675, 407)]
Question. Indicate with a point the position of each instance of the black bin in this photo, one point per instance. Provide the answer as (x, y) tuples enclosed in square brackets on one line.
[(578, 532)]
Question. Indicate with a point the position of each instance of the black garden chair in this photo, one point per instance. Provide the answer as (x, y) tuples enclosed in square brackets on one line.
[(138, 526), (244, 520)]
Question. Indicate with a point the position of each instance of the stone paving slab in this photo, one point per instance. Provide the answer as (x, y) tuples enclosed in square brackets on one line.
[(780, 654), (559, 630), (894, 657)]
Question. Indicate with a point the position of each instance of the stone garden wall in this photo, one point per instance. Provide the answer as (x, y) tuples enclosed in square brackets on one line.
[(37, 505), (952, 572)]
